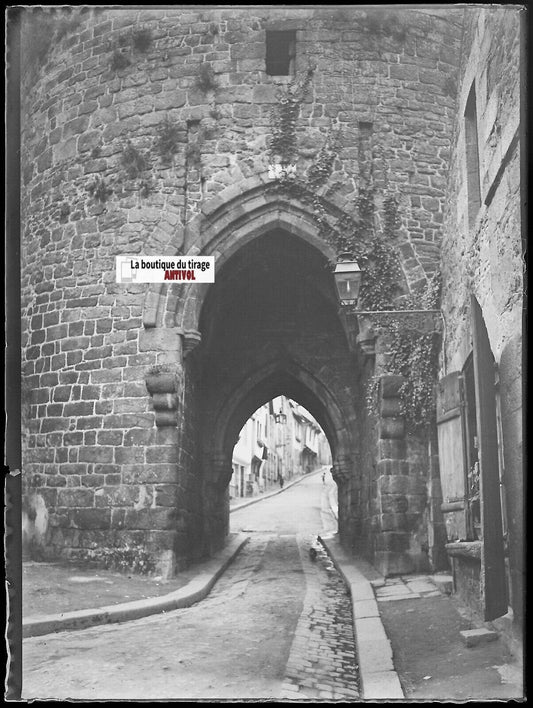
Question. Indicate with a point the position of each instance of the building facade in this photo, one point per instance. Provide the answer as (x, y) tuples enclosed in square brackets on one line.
[(279, 442), (274, 139), (480, 389)]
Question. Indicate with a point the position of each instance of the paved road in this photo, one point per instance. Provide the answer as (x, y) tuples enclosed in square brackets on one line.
[(277, 625)]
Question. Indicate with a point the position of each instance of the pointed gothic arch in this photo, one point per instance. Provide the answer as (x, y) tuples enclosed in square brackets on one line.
[(281, 378), (235, 217), (254, 226)]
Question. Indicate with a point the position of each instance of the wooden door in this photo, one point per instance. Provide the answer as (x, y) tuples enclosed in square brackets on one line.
[(452, 455), (492, 553)]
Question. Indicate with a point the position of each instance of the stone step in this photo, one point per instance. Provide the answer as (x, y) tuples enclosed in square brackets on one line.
[(475, 637)]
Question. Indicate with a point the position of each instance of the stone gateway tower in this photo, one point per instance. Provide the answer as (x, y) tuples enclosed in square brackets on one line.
[(274, 140)]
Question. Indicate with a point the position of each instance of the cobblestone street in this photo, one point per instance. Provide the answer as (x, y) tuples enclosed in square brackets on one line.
[(322, 663), (264, 352), (277, 625)]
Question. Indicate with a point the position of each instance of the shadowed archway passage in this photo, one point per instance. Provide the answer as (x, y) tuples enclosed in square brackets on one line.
[(269, 327)]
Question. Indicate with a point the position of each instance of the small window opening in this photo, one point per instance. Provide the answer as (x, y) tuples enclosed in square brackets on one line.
[(280, 53), (472, 158)]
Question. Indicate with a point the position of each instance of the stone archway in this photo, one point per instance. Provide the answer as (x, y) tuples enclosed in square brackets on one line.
[(280, 377), (234, 218), (270, 326), (188, 320), (273, 313)]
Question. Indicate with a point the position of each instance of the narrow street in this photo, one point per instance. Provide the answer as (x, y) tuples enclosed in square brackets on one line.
[(277, 625)]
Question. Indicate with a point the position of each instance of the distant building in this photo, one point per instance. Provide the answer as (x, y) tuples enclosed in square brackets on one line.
[(306, 437), (280, 440)]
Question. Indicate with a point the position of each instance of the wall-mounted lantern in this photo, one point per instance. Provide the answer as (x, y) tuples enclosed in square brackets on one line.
[(348, 277), (280, 417)]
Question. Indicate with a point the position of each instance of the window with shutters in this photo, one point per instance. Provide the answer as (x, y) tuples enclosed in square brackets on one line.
[(458, 451), (471, 470), (454, 455)]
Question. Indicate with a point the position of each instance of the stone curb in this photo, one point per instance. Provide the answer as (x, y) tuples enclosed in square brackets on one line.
[(378, 677), (254, 500), (196, 590)]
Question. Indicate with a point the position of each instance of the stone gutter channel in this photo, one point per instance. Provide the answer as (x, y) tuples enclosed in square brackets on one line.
[(378, 678), (377, 675)]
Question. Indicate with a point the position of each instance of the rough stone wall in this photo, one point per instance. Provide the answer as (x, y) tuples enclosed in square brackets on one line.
[(400, 474), (368, 435), (484, 257), (97, 470)]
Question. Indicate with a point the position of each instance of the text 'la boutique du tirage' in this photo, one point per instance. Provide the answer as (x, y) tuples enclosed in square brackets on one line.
[(159, 269)]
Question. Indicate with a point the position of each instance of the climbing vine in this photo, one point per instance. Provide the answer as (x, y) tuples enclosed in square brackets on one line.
[(284, 117), (413, 354), (133, 161), (167, 142), (352, 233), (205, 78), (139, 40), (99, 190), (119, 59), (382, 272), (370, 240), (319, 172), (142, 39)]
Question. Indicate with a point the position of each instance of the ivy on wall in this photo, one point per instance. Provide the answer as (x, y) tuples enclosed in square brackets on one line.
[(120, 59), (412, 354), (133, 162), (353, 233), (413, 350), (168, 137), (205, 78), (382, 273), (138, 40), (284, 117), (99, 190)]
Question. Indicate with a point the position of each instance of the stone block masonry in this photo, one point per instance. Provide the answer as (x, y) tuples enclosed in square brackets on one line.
[(482, 255), (105, 463)]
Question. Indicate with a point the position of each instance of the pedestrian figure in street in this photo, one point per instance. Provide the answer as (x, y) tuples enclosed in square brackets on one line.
[(281, 480), (324, 477)]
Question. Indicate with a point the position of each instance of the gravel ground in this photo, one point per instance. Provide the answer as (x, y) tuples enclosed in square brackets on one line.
[(53, 588)]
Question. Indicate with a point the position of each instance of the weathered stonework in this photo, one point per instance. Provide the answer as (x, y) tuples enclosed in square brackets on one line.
[(112, 459), (482, 255)]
